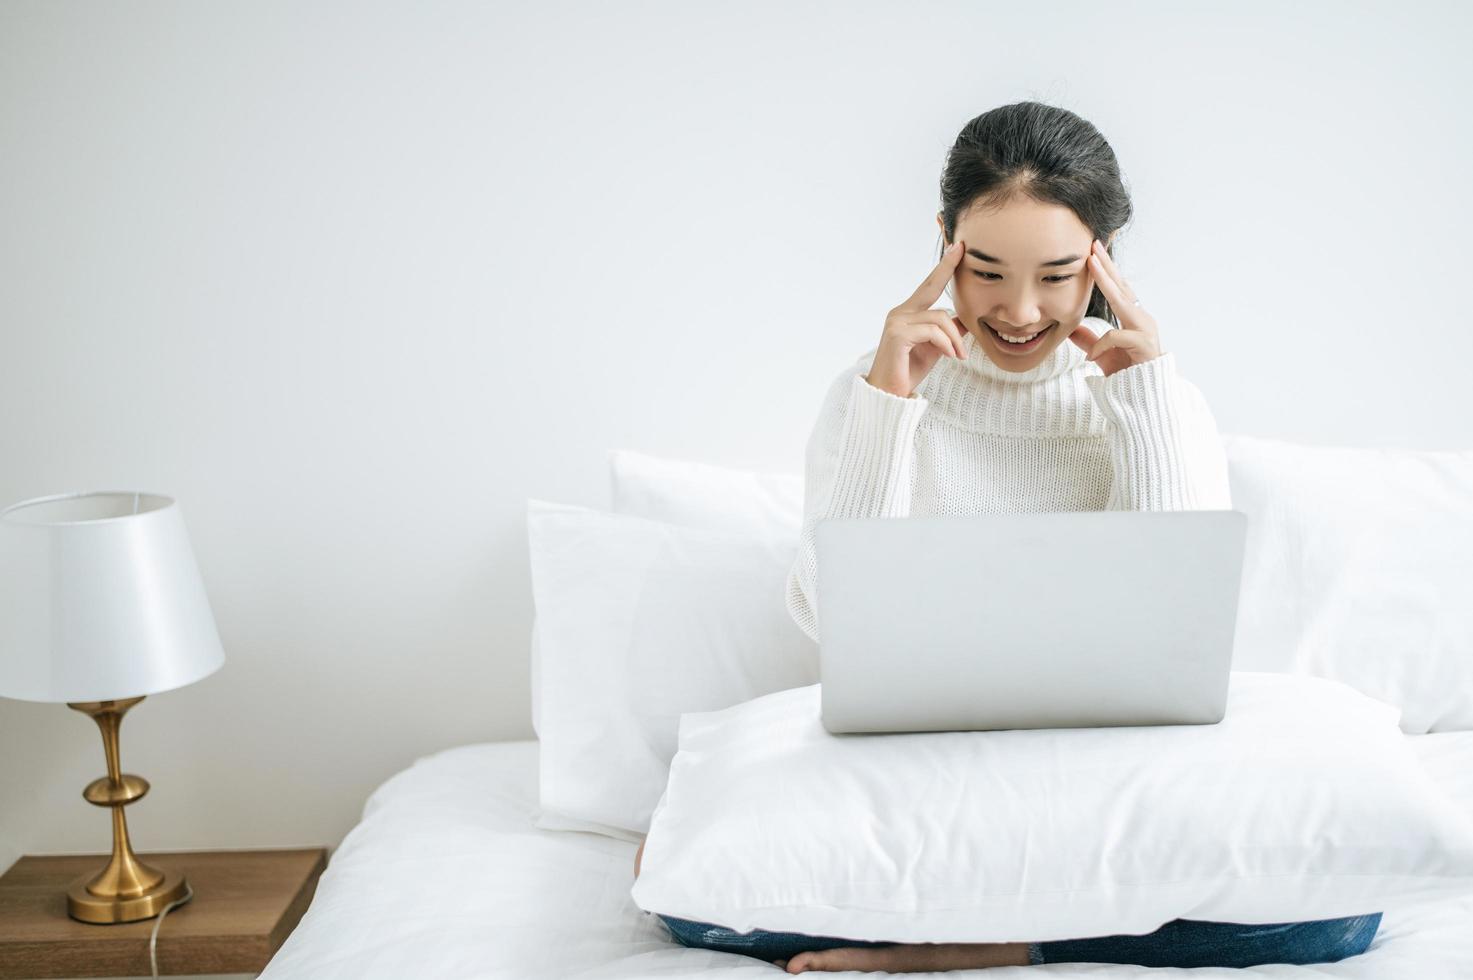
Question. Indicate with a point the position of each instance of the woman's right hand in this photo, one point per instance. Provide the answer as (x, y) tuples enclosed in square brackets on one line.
[(916, 336)]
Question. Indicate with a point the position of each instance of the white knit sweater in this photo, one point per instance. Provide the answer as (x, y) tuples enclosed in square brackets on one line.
[(976, 439)]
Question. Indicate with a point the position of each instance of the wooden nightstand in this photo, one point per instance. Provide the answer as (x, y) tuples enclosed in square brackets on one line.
[(245, 904)]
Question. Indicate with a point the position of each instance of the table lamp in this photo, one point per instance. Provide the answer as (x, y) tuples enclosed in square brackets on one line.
[(101, 605)]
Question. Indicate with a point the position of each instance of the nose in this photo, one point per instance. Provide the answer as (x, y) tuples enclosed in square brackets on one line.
[(1015, 319), (1017, 312)]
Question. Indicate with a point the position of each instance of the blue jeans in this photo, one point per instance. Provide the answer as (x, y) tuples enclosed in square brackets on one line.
[(1180, 942)]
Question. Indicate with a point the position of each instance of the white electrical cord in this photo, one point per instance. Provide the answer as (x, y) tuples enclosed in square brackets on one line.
[(153, 959)]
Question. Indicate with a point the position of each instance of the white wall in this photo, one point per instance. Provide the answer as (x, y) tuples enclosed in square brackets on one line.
[(353, 280)]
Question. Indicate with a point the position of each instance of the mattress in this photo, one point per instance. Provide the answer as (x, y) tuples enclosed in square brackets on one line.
[(446, 877)]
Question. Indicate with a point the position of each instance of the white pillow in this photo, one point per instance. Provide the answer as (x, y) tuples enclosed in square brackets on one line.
[(766, 506), (638, 621), (1359, 567), (1305, 802)]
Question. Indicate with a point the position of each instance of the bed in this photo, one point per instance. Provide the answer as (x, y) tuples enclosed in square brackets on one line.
[(446, 876), (457, 870)]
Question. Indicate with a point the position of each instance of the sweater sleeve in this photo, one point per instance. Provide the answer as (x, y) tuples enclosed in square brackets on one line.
[(859, 462), (1164, 444)]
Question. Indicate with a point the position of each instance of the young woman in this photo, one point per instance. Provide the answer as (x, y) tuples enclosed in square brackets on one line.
[(1046, 389)]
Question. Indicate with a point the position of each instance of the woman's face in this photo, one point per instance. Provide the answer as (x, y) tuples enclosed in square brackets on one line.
[(1011, 280)]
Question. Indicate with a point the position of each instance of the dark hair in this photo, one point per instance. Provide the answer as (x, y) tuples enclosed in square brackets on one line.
[(1046, 153)]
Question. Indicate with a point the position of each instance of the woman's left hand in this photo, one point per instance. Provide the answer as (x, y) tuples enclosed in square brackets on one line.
[(1136, 340)]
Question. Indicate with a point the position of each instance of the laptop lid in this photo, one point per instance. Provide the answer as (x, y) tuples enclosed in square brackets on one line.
[(1036, 620)]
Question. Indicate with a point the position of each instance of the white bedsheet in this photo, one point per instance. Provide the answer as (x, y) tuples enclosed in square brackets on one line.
[(446, 877)]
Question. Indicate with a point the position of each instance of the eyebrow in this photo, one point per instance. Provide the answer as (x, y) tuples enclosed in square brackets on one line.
[(983, 256)]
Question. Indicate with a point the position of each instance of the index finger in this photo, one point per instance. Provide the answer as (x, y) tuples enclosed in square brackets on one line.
[(929, 291)]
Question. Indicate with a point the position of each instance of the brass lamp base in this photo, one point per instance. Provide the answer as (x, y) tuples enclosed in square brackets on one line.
[(85, 905), (127, 889)]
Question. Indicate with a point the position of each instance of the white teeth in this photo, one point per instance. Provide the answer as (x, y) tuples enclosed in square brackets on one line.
[(1022, 340)]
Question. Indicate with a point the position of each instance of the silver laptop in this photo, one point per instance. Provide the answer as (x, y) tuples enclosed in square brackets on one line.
[(1077, 619)]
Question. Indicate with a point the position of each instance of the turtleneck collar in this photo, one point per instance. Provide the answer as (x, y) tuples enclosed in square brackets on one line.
[(1051, 398), (1066, 357)]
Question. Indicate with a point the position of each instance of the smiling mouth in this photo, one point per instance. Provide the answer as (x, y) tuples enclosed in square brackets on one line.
[(999, 338)]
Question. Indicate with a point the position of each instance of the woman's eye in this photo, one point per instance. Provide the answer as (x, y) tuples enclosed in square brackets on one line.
[(992, 276)]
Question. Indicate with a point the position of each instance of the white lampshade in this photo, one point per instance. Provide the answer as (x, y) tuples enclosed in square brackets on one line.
[(101, 599)]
